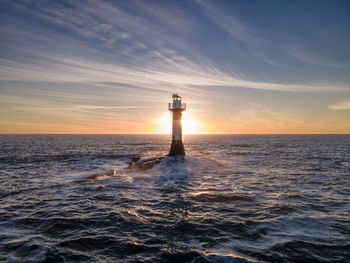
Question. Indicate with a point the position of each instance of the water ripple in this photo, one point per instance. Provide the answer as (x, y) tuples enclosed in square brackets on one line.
[(117, 198)]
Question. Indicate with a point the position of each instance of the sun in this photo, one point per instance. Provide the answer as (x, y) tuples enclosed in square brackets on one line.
[(189, 124)]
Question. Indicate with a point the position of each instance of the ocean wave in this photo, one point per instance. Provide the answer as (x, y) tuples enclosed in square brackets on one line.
[(121, 199), (210, 197)]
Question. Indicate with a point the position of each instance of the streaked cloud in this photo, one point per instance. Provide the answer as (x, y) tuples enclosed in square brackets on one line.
[(309, 58), (141, 51), (230, 24), (342, 105), (171, 72)]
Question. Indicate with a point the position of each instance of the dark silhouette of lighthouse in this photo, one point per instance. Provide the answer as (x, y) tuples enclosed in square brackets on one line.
[(176, 107)]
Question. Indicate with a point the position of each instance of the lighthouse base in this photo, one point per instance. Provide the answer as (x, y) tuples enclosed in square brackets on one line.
[(177, 148)]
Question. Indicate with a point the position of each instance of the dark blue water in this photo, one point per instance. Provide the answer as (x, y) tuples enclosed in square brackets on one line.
[(109, 198)]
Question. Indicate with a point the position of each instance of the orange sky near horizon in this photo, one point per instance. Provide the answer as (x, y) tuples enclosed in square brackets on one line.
[(162, 125)]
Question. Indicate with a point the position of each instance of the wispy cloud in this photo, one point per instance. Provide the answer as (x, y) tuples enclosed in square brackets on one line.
[(142, 53), (342, 105), (69, 112), (231, 24), (115, 26), (309, 58), (58, 69)]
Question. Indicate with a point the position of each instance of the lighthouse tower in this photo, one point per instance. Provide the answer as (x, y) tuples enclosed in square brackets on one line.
[(176, 107)]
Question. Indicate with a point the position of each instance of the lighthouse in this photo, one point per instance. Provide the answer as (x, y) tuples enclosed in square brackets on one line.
[(176, 107)]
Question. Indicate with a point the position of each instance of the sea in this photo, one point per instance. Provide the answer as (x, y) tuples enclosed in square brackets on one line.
[(119, 198)]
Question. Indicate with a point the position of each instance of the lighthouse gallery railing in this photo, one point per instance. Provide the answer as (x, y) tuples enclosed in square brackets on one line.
[(171, 107)]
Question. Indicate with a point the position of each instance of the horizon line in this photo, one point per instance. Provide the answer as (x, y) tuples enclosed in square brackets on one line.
[(170, 134)]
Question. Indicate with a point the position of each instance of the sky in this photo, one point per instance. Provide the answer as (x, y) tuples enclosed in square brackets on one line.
[(242, 67)]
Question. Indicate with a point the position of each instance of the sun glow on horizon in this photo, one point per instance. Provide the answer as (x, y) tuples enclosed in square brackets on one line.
[(189, 124)]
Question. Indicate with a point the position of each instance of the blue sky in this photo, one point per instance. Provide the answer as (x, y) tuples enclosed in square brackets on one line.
[(111, 66)]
